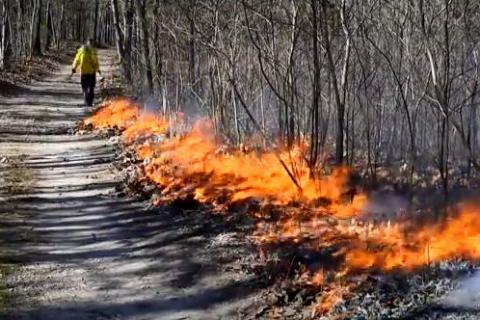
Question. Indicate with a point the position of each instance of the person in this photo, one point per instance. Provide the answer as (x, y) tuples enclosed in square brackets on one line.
[(86, 61)]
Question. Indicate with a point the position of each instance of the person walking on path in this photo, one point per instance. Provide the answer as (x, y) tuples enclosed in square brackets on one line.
[(86, 61)]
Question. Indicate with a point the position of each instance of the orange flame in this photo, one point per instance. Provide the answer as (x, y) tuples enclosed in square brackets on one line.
[(197, 164), (125, 114), (119, 113), (215, 175), (144, 127), (332, 295), (391, 247)]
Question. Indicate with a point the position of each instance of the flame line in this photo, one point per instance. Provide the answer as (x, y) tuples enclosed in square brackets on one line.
[(257, 126)]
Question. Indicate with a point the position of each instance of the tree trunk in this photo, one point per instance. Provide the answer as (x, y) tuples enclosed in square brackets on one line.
[(339, 89), (145, 44), (158, 50), (22, 44), (314, 134), (191, 50), (95, 21), (62, 32), (3, 33), (36, 23), (37, 48), (128, 35), (49, 36), (119, 37)]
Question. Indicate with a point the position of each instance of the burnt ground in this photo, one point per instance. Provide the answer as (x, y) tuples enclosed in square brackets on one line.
[(71, 249)]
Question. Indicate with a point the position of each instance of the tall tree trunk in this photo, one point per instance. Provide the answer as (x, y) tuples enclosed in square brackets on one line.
[(314, 133), (36, 22), (37, 46), (80, 20), (119, 36), (129, 12), (49, 35), (95, 21), (145, 44), (158, 50), (339, 87), (3, 33), (191, 49), (62, 31), (21, 46)]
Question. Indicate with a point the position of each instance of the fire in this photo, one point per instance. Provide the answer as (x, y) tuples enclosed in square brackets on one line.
[(145, 126), (391, 247), (119, 113), (215, 174), (387, 246), (124, 114), (332, 295), (197, 164)]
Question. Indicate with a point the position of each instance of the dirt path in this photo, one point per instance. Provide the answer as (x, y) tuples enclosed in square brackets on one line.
[(72, 251)]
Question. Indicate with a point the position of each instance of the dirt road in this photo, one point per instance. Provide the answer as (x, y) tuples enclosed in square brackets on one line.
[(72, 251)]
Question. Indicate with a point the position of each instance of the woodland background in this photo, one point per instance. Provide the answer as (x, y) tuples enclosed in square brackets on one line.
[(369, 83)]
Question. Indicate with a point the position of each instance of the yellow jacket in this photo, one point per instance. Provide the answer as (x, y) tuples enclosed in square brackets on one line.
[(86, 60)]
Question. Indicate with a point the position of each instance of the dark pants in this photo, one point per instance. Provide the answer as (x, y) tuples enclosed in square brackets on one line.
[(88, 88)]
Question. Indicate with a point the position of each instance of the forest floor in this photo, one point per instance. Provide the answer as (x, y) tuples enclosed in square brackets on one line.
[(24, 71), (70, 249), (77, 241)]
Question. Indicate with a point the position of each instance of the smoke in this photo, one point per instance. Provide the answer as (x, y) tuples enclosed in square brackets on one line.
[(466, 296), (191, 106), (152, 106), (386, 205)]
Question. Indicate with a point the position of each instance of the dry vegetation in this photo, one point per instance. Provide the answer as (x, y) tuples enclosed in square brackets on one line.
[(321, 249), (306, 109)]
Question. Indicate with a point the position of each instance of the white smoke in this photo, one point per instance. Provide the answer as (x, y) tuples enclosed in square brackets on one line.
[(385, 205), (466, 296), (152, 106)]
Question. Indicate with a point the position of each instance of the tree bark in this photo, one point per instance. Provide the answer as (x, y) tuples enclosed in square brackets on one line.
[(314, 134), (158, 50), (3, 33), (49, 35), (119, 38), (339, 89), (145, 44), (129, 12), (191, 47), (95, 21), (35, 36)]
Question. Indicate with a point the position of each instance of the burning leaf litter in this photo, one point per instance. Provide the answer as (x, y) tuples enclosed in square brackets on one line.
[(319, 231)]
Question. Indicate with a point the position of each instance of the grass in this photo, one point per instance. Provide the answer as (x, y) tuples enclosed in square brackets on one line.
[(15, 179), (5, 295)]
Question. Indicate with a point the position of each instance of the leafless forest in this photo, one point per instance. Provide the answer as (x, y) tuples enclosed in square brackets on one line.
[(287, 159), (369, 83)]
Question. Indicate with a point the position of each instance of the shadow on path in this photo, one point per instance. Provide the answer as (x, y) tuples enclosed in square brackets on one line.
[(80, 253)]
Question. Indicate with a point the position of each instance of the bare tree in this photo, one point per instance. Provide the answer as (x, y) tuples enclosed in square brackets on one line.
[(36, 22), (145, 44), (3, 33), (369, 83)]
